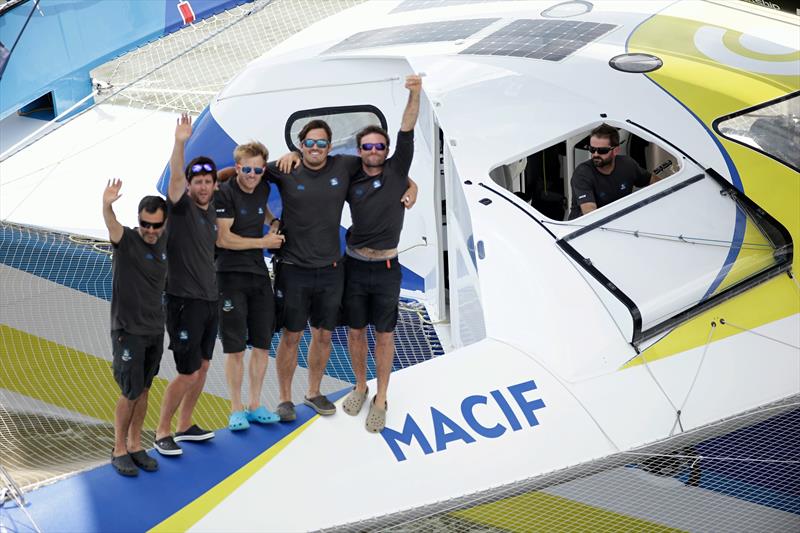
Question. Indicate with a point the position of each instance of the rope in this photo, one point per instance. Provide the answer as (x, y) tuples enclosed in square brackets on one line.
[(726, 323), (713, 458), (694, 381)]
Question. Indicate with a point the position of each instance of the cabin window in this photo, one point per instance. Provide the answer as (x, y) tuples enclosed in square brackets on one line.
[(345, 123), (772, 128), (542, 178)]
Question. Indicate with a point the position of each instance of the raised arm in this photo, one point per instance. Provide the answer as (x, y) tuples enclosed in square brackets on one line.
[(414, 86), (111, 195), (229, 240), (177, 176)]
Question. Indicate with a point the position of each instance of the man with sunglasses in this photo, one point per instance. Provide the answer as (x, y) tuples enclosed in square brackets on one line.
[(192, 316), (246, 302), (373, 276), (139, 267), (607, 176)]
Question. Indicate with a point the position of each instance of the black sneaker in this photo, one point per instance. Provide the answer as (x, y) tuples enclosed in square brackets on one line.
[(144, 461), (124, 465), (194, 433), (285, 410), (321, 405), (167, 446)]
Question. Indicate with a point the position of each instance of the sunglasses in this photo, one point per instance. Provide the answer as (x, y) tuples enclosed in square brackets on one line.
[(321, 143), (602, 150), (200, 167), (377, 146), (255, 170), (154, 225)]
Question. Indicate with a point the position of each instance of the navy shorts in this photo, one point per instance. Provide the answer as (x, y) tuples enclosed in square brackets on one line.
[(308, 295), (371, 293), (192, 326), (246, 311), (136, 361)]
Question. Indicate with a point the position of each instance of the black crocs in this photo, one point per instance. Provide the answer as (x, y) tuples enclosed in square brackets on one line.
[(144, 461), (124, 465)]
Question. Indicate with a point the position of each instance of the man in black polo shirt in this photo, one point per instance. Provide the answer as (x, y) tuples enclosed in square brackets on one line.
[(310, 277), (372, 282), (137, 321), (246, 302), (607, 176), (191, 290)]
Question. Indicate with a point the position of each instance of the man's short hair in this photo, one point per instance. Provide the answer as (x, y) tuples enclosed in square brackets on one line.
[(315, 124), (604, 131), (251, 149), (202, 160), (372, 129), (151, 204)]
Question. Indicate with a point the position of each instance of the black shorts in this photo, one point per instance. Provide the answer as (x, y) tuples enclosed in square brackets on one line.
[(136, 361), (308, 295), (192, 327), (371, 293), (246, 311)]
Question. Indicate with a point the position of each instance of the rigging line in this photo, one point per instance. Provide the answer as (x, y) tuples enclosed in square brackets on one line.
[(726, 323), (713, 458), (19, 36), (33, 190), (694, 381)]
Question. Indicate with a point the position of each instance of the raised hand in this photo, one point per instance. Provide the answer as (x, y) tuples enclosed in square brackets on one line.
[(414, 83), (183, 130), (112, 194)]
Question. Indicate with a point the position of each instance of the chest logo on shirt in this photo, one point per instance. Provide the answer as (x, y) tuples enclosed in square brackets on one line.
[(301, 187), (334, 182), (227, 306), (622, 187), (163, 256), (149, 256), (243, 211), (126, 355), (260, 210), (376, 184), (183, 335), (359, 191)]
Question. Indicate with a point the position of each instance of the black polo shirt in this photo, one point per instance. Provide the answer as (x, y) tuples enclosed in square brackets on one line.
[(191, 236), (247, 211), (312, 210), (375, 205), (137, 284), (590, 186)]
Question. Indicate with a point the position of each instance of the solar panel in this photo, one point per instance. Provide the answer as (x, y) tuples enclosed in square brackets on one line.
[(415, 5), (413, 33), (551, 40)]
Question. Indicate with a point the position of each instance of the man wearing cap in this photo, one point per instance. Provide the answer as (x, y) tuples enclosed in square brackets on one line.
[(192, 316), (139, 265)]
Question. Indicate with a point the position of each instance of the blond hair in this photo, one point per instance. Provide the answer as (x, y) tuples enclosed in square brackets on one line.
[(251, 149)]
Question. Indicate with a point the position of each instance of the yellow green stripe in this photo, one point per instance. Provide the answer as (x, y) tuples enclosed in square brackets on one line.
[(539, 511), (83, 383), (195, 511)]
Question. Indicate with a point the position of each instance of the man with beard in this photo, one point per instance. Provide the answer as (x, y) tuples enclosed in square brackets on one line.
[(192, 316), (606, 177), (137, 321)]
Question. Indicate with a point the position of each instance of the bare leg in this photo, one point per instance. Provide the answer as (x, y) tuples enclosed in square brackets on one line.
[(123, 413), (318, 354), (191, 397), (286, 361), (357, 343), (259, 359), (384, 354), (234, 373), (137, 421), (173, 395)]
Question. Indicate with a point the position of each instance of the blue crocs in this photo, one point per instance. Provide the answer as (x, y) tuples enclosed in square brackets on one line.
[(262, 415), (238, 421)]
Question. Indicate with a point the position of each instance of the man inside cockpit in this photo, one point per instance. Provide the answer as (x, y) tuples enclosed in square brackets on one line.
[(607, 176)]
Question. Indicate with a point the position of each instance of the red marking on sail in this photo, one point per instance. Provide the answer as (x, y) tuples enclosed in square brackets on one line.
[(187, 13)]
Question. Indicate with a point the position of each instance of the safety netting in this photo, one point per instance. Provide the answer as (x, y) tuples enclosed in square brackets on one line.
[(57, 392), (740, 474)]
